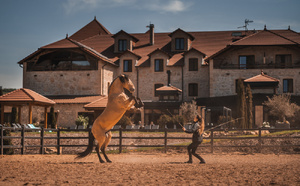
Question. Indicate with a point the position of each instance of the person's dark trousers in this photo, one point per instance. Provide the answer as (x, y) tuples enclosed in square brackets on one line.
[(192, 151)]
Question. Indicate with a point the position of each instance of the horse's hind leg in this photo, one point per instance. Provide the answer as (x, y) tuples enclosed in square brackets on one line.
[(105, 144), (98, 153)]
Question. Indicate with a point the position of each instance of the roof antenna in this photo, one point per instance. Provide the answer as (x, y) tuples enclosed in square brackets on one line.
[(247, 21)]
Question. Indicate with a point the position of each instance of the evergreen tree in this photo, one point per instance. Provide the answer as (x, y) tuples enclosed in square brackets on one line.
[(241, 106), (51, 119), (14, 115), (249, 107)]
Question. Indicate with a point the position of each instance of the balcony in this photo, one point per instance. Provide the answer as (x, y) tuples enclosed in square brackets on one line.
[(256, 66)]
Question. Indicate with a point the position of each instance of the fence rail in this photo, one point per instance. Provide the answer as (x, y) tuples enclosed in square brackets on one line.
[(165, 145)]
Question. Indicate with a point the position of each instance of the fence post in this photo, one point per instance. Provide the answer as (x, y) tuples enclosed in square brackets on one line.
[(42, 141), (120, 140), (58, 142), (212, 141), (1, 135), (23, 139), (166, 139), (259, 140)]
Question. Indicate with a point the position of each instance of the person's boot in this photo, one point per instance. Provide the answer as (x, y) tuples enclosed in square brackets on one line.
[(202, 161)]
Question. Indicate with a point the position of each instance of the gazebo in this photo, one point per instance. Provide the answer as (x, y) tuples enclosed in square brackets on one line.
[(263, 81), (25, 97)]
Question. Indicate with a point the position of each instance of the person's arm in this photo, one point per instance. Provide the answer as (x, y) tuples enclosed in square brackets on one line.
[(201, 130)]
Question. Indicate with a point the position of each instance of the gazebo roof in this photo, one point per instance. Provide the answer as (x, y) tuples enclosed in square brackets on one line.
[(23, 96), (261, 78)]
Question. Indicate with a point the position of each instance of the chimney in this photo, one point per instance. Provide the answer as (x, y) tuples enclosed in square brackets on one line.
[(169, 77), (151, 32)]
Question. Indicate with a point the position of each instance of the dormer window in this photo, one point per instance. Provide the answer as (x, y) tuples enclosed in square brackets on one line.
[(122, 43), (179, 43)]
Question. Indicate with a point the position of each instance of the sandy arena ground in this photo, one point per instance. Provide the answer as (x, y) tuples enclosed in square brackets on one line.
[(150, 169)]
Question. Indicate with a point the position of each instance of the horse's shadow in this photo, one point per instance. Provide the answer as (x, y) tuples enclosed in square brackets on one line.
[(175, 163), (66, 163)]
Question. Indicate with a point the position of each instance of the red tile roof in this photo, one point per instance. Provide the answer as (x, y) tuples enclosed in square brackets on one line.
[(168, 88), (89, 30), (74, 99), (24, 95), (261, 78), (99, 103), (265, 37), (210, 43)]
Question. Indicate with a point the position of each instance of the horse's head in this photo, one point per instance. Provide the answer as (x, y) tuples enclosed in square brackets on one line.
[(127, 83)]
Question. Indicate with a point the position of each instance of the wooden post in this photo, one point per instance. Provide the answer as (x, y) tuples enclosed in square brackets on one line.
[(58, 142), (45, 118), (120, 140), (212, 141), (2, 114), (1, 140), (259, 140), (166, 139), (42, 141), (23, 140), (30, 113)]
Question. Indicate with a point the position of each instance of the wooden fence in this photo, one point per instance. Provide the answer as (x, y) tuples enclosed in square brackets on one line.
[(212, 139)]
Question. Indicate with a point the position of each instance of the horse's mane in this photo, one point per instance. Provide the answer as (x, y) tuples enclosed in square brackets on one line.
[(122, 78)]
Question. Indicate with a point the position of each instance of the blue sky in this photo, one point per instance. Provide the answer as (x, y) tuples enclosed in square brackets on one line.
[(28, 25)]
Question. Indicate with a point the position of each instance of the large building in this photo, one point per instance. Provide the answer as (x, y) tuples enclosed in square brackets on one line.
[(166, 68)]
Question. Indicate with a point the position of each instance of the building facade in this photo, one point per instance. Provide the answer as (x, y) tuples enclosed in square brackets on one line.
[(167, 69)]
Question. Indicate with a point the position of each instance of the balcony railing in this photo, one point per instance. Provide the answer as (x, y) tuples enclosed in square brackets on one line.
[(256, 66)]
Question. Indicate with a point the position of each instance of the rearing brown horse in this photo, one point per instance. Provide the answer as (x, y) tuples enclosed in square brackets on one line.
[(118, 103)]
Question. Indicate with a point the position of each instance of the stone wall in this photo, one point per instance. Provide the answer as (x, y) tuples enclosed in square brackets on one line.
[(222, 81)]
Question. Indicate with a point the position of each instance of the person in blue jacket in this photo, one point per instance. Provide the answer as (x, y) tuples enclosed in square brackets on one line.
[(197, 131)]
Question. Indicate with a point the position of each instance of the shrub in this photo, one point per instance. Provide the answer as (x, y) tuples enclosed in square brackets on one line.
[(7, 142), (165, 120), (82, 121), (124, 121), (281, 107)]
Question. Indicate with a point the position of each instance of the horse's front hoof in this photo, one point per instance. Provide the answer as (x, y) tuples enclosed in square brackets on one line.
[(108, 161)]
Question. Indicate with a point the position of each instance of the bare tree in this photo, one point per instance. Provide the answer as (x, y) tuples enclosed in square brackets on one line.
[(281, 106), (189, 111)]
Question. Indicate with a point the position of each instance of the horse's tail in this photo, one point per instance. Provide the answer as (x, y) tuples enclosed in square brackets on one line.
[(89, 148)]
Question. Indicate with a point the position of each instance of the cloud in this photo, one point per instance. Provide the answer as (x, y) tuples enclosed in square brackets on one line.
[(162, 6), (72, 6), (172, 6)]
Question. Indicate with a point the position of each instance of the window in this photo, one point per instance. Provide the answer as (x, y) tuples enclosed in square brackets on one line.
[(246, 62), (127, 66), (122, 45), (156, 86), (283, 61), (179, 44), (288, 86), (193, 89), (158, 65), (193, 64)]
